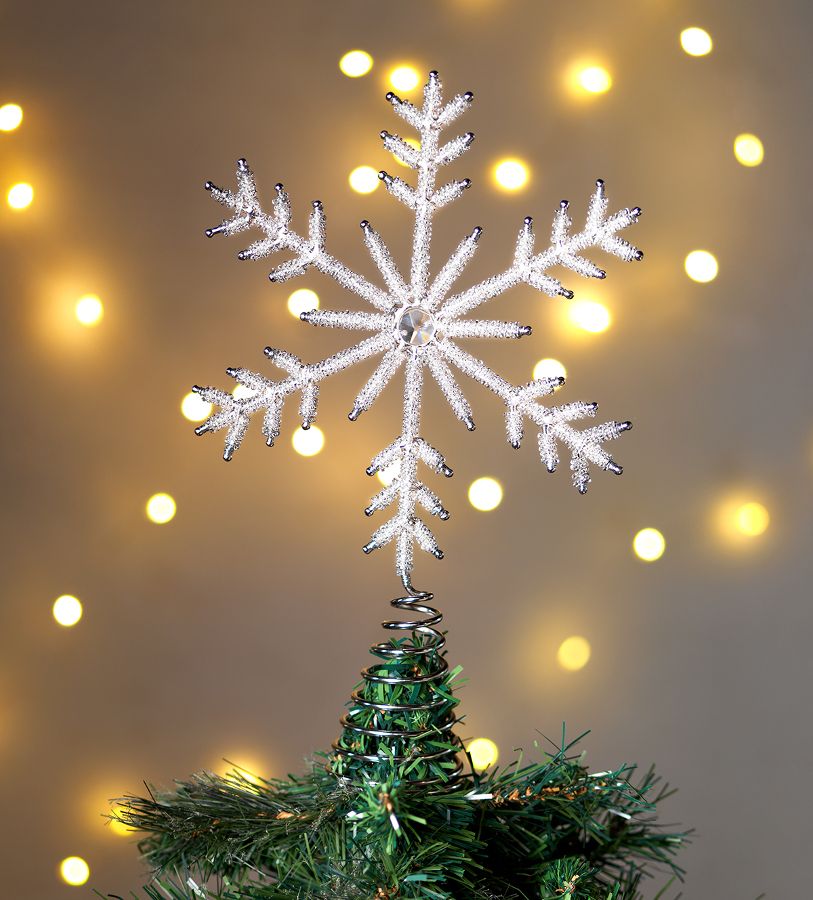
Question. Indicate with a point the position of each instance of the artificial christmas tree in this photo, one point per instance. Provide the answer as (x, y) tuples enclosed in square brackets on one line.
[(396, 809)]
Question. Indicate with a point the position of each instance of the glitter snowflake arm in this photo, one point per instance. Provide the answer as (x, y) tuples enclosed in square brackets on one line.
[(425, 198), (405, 528), (235, 412), (553, 422), (278, 235), (565, 250)]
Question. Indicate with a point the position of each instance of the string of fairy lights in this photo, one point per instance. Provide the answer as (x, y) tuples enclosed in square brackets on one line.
[(745, 518)]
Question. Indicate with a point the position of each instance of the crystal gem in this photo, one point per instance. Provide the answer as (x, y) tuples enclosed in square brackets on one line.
[(416, 327)]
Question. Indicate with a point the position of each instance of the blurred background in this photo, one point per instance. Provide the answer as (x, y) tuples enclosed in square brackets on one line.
[(668, 610)]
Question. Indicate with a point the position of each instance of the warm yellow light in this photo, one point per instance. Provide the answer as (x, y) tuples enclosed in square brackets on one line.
[(308, 441), (20, 196), (413, 142), (483, 752), (116, 827), (89, 310), (485, 494), (67, 610), (356, 63), (589, 315), (161, 509), (302, 300), (573, 653), (701, 266), (738, 520), (241, 775), (387, 475), (595, 80), (242, 771), (511, 174), (195, 408), (752, 519), (696, 41), (649, 544), (11, 115), (404, 78), (74, 870), (549, 368), (241, 392), (119, 828), (363, 180), (749, 150)]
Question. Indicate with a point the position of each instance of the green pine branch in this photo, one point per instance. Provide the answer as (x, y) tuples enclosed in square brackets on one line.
[(355, 829), (535, 830)]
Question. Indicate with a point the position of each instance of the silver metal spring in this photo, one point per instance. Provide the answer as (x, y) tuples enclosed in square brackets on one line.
[(433, 643)]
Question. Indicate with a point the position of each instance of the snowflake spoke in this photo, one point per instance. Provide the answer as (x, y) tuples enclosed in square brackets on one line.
[(383, 259), (485, 328), (416, 322), (476, 369), (378, 381), (448, 386), (347, 319), (453, 269)]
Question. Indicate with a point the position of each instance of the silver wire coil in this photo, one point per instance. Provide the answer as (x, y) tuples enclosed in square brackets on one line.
[(430, 648)]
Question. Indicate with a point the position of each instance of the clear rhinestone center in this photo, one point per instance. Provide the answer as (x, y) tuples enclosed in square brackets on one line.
[(416, 326)]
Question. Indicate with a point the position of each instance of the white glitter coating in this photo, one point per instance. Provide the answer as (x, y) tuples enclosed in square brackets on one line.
[(439, 315)]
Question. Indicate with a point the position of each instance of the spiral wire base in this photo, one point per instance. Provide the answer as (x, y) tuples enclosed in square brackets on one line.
[(425, 645)]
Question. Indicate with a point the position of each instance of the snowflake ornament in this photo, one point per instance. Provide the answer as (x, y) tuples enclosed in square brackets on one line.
[(416, 324)]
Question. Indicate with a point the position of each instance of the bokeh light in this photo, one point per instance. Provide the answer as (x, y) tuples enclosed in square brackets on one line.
[(67, 610), (485, 494), (649, 544), (363, 179), (74, 870), (240, 766), (20, 196), (748, 150), (356, 63), (89, 310), (161, 508), (11, 116), (483, 752), (574, 653), (241, 392), (595, 80), (589, 315), (752, 519), (738, 518), (701, 266), (511, 174), (308, 441), (549, 368), (696, 41), (387, 475), (404, 78), (119, 828), (302, 300), (195, 408)]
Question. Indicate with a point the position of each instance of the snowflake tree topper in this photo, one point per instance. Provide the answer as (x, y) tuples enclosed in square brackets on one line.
[(417, 322)]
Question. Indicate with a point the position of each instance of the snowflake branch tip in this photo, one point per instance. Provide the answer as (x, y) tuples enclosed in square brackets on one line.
[(399, 189), (400, 149)]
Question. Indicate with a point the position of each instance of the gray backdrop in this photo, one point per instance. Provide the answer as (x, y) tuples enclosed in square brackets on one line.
[(238, 629)]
